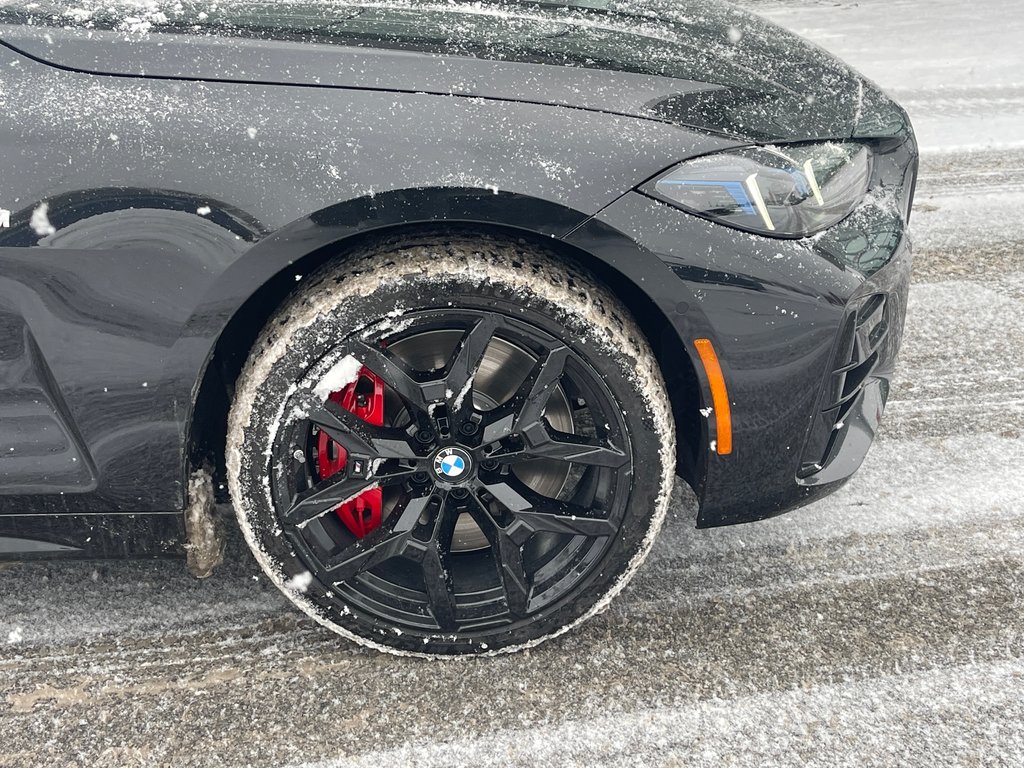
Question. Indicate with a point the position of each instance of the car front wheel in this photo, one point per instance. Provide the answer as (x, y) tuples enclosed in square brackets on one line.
[(451, 446)]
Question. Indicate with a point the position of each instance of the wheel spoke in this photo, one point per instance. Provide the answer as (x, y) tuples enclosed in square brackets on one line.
[(534, 512), (467, 356), (357, 436), (325, 496), (435, 564), (508, 559), (391, 539), (543, 442), (417, 394), (527, 405), (534, 521)]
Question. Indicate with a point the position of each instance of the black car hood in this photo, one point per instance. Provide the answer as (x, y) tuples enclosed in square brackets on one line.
[(699, 63)]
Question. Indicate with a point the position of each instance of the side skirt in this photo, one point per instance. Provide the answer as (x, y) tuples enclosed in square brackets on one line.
[(43, 537)]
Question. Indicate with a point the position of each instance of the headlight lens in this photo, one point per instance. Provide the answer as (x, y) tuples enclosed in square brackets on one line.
[(790, 191)]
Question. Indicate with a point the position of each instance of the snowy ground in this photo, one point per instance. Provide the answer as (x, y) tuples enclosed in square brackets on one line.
[(882, 626)]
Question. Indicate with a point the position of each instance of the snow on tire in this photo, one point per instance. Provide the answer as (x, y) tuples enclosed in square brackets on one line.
[(451, 446)]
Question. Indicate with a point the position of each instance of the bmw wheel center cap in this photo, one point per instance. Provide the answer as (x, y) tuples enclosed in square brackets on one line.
[(452, 464)]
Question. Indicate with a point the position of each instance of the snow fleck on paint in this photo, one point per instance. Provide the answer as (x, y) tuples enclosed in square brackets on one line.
[(135, 25), (860, 103), (735, 35), (341, 374), (299, 582), (203, 210), (15, 636), (252, 132), (40, 221)]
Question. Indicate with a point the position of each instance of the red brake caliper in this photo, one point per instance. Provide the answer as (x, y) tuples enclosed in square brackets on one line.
[(365, 398)]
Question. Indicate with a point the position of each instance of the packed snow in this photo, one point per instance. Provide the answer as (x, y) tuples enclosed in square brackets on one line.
[(339, 376)]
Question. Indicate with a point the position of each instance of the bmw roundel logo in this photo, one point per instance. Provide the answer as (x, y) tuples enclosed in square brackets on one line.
[(451, 464)]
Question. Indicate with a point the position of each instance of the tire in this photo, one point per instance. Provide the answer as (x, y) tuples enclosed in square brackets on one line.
[(498, 471)]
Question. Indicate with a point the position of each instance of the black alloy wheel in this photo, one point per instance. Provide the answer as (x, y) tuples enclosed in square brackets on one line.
[(460, 468)]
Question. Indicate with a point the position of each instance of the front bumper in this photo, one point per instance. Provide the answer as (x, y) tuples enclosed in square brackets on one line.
[(807, 383)]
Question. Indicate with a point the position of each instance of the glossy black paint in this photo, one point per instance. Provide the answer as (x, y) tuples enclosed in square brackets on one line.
[(184, 205), (91, 537), (775, 337), (702, 64)]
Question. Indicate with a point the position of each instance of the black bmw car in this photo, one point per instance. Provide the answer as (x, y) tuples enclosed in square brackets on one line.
[(442, 297)]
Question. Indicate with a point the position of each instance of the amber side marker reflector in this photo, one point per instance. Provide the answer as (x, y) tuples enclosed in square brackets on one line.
[(719, 396)]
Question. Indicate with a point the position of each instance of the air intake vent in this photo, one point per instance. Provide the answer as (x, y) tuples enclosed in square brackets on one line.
[(857, 352)]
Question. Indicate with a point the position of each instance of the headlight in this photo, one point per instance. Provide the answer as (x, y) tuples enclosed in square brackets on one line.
[(790, 191)]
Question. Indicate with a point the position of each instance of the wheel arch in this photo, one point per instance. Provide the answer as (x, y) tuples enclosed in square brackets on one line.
[(272, 271)]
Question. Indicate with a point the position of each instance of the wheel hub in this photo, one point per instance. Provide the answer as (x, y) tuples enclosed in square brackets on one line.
[(452, 465)]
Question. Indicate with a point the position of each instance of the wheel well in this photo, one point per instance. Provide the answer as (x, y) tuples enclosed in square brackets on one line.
[(208, 428)]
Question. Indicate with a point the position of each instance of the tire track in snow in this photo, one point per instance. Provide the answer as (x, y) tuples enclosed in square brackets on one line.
[(964, 220), (961, 361), (307, 694), (896, 719)]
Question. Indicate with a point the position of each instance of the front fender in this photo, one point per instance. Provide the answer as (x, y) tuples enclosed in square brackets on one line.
[(313, 239)]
